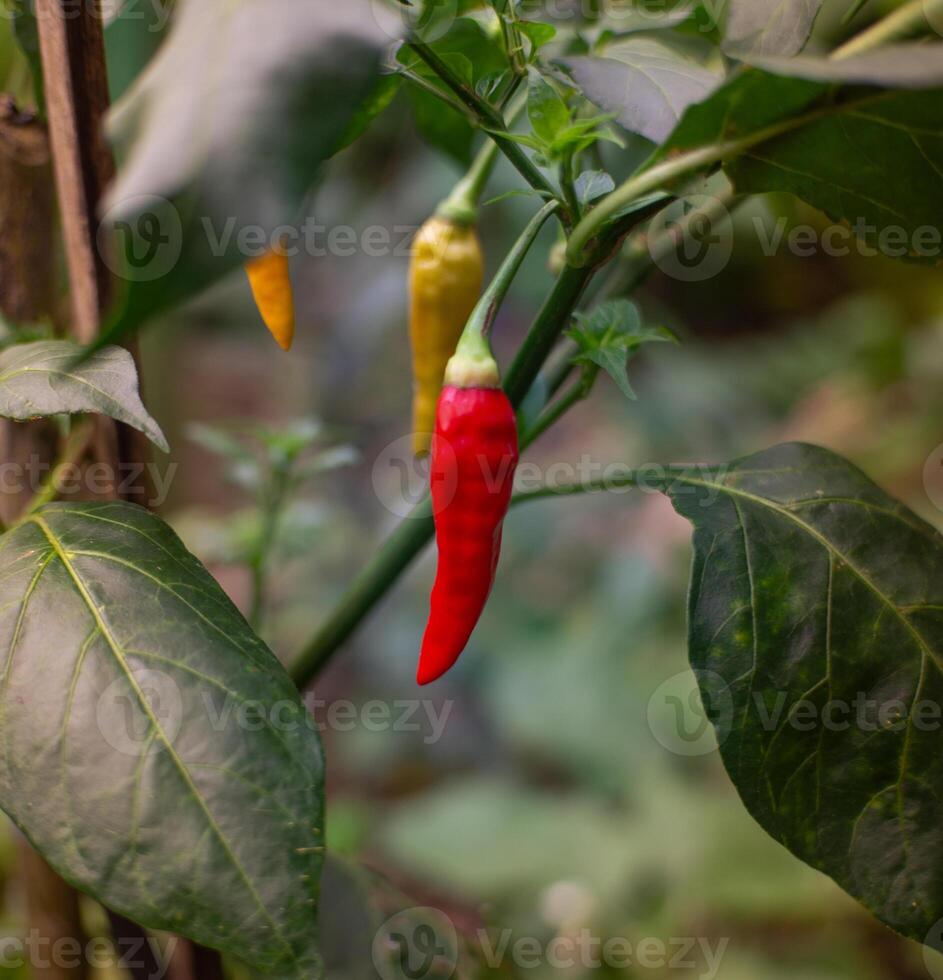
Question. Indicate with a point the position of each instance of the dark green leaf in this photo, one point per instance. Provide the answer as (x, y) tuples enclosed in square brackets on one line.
[(876, 165), (646, 84), (42, 378), (871, 159), (132, 37), (155, 752), (546, 109), (223, 134), (448, 130), (896, 66), (609, 335), (749, 100), (769, 27), (383, 94), (816, 631)]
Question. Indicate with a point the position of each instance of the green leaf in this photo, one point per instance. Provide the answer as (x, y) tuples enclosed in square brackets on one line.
[(592, 185), (383, 94), (871, 158), (816, 631), (609, 335), (43, 378), (877, 165), (769, 27), (547, 111), (223, 134), (537, 33), (154, 750), (917, 66), (645, 83), (749, 100)]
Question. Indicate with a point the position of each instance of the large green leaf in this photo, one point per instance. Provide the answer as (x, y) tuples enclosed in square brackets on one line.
[(816, 630), (42, 378), (877, 165), (869, 157), (153, 749), (748, 101), (224, 131)]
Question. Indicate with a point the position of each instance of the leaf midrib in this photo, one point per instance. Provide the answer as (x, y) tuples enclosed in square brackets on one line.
[(182, 769)]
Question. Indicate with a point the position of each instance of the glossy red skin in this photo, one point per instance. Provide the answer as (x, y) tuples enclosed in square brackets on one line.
[(474, 456)]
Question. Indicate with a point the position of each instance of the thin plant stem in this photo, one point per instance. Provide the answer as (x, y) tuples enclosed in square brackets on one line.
[(488, 117), (901, 23)]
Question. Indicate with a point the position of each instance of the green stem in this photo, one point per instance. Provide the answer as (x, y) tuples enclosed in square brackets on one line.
[(462, 204), (488, 117), (482, 318), (553, 317), (665, 173), (901, 23), (652, 478), (75, 448), (473, 363), (271, 508), (444, 97), (567, 185), (393, 558), (630, 479)]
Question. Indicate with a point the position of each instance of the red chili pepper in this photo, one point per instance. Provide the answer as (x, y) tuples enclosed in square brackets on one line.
[(474, 456)]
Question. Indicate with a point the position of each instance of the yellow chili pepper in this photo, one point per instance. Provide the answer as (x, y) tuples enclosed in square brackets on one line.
[(446, 275), (271, 287)]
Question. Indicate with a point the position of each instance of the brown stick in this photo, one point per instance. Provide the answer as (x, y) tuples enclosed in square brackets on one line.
[(73, 57), (27, 296)]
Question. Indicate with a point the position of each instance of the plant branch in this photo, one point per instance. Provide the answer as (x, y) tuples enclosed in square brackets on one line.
[(437, 92), (626, 480), (664, 173), (901, 23), (543, 335), (489, 118), (393, 558)]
